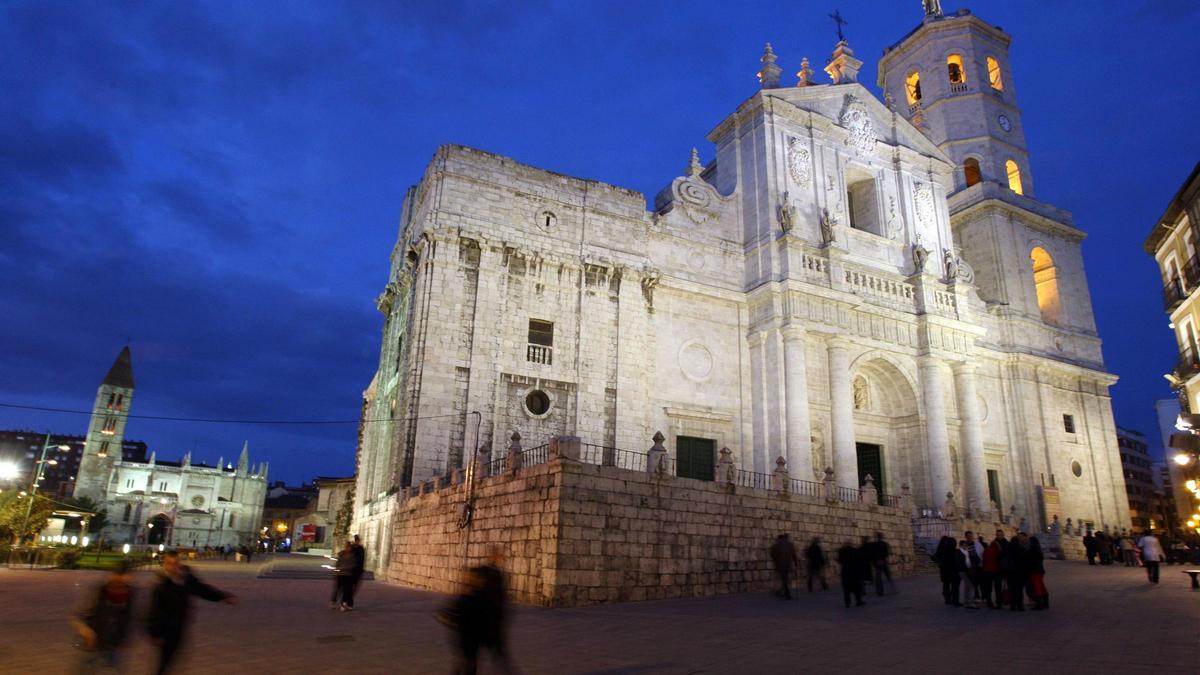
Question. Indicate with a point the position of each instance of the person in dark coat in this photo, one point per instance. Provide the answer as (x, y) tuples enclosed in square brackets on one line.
[(948, 560), (170, 604), (850, 566), (343, 579), (783, 555), (1017, 572), (360, 562), (878, 552), (816, 564), (465, 615), (493, 625), (103, 620), (1036, 570), (1089, 546)]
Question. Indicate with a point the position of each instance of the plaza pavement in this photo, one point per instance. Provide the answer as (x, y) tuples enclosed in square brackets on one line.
[(1102, 620)]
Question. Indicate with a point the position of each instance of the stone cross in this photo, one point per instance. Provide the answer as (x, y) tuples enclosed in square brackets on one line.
[(840, 21)]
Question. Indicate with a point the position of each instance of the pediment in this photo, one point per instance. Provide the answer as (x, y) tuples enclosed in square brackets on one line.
[(853, 108)]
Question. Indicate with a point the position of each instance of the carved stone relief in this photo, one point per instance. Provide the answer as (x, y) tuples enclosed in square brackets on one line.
[(799, 161), (923, 199), (857, 120)]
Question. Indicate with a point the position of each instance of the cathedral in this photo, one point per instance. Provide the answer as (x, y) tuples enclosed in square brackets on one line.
[(182, 504), (867, 285)]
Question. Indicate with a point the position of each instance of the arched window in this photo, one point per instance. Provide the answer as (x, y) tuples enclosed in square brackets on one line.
[(912, 87), (1045, 279), (954, 69), (1014, 177), (971, 172), (994, 77)]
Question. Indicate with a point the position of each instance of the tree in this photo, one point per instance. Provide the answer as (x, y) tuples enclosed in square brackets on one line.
[(13, 522), (345, 516), (96, 522)]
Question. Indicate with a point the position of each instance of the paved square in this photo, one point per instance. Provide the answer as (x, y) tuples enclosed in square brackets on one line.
[(1102, 619)]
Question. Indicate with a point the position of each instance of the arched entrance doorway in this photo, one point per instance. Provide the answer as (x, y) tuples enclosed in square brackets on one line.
[(158, 529), (887, 425)]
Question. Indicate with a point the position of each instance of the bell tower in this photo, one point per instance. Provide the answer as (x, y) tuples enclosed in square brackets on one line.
[(106, 431), (950, 77)]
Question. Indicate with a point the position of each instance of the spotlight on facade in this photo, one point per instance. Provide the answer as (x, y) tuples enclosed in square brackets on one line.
[(86, 541)]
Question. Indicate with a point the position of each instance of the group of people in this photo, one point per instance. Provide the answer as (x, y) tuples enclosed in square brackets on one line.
[(104, 621), (857, 565), (1001, 573), (1146, 551)]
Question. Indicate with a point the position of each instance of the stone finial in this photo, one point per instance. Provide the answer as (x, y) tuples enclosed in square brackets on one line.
[(805, 74), (781, 481), (907, 504), (948, 507), (656, 457), (843, 67), (889, 101), (869, 494), (514, 460), (694, 167), (829, 486), (768, 75)]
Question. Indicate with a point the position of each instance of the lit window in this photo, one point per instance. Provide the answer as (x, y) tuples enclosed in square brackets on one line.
[(103, 449), (1014, 177), (912, 87), (971, 172), (994, 77), (110, 426), (1045, 280), (954, 69), (112, 401)]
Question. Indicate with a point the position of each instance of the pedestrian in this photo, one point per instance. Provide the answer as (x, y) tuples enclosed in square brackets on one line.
[(974, 570), (850, 566), (969, 588), (494, 627), (465, 616), (816, 564), (343, 579), (879, 553), (103, 620), (948, 561), (1089, 546), (990, 572), (1152, 554), (250, 552), (783, 555), (1126, 545), (360, 562), (227, 551), (170, 604), (1015, 573), (1036, 569)]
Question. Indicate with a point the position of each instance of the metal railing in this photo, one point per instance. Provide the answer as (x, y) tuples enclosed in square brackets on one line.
[(807, 488), (1188, 364), (892, 501), (1173, 294), (540, 354), (752, 479), (536, 455), (845, 494)]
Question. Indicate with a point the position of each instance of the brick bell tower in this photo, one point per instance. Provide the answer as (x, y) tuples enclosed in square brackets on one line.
[(106, 431)]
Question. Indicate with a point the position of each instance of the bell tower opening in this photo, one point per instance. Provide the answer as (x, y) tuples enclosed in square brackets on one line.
[(1045, 279)]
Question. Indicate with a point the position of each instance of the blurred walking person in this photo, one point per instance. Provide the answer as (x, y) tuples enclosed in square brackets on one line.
[(783, 555), (360, 562), (170, 605), (1036, 569), (494, 634), (103, 621), (948, 560), (816, 564), (1015, 564), (850, 567), (1152, 554), (343, 579), (878, 557), (465, 616)]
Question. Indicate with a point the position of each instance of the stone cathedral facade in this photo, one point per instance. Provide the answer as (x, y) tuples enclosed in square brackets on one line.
[(851, 283)]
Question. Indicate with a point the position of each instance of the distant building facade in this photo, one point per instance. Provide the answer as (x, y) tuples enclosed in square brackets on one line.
[(24, 448), (315, 529), (1139, 476), (181, 503)]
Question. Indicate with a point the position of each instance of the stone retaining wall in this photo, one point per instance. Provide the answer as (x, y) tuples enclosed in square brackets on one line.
[(578, 534)]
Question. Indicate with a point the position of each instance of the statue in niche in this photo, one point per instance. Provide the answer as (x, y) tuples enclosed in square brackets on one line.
[(920, 254), (827, 225), (787, 213), (862, 394), (818, 453)]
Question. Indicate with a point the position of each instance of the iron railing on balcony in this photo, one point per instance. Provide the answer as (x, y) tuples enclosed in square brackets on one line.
[(845, 494), (1188, 364), (1172, 295), (539, 354), (806, 488)]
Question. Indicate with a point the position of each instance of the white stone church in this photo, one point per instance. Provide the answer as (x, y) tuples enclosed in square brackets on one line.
[(181, 504), (871, 286)]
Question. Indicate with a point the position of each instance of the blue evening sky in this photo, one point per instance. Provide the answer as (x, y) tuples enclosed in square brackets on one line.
[(220, 183)]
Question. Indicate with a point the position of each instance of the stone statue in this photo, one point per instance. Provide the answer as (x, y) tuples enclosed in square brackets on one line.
[(787, 213), (951, 265), (827, 224), (919, 255), (948, 506), (862, 394), (932, 7)]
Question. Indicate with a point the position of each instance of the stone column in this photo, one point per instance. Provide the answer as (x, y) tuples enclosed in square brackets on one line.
[(799, 428), (974, 468), (936, 439), (841, 402)]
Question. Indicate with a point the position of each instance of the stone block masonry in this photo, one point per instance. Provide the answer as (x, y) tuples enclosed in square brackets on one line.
[(580, 534)]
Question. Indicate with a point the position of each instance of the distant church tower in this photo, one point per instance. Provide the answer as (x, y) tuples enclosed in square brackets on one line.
[(106, 431)]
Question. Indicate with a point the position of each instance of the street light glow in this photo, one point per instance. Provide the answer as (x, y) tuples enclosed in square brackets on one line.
[(9, 470), (1182, 459)]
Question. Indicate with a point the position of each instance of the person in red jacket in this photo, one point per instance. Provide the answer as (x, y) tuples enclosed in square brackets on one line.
[(992, 572)]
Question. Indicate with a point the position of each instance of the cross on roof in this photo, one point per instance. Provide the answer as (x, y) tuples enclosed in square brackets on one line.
[(837, 18)]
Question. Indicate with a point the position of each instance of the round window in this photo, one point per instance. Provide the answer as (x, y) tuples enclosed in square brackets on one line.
[(1077, 469), (537, 402)]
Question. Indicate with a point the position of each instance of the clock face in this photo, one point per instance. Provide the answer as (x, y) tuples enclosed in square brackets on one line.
[(1005, 123)]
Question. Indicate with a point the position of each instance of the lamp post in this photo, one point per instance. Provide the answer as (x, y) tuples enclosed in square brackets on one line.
[(37, 478)]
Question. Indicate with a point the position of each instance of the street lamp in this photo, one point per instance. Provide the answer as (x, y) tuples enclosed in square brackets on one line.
[(33, 484)]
